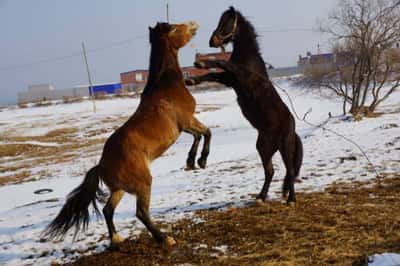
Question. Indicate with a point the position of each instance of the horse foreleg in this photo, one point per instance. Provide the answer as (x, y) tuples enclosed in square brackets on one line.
[(196, 127), (108, 212), (228, 66), (221, 77)]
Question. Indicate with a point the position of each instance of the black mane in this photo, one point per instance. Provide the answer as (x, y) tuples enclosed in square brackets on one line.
[(162, 58), (247, 33)]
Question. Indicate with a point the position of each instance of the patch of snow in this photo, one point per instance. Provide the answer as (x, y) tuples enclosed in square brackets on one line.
[(33, 142), (234, 171), (385, 259)]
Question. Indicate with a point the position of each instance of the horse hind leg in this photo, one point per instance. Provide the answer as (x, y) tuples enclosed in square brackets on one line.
[(288, 156), (197, 128), (142, 213), (202, 161), (193, 151), (266, 151), (108, 212)]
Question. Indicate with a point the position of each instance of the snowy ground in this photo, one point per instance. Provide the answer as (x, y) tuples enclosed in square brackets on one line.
[(233, 175)]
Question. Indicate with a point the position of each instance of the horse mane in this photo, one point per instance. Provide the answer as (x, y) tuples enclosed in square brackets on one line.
[(247, 32), (162, 58)]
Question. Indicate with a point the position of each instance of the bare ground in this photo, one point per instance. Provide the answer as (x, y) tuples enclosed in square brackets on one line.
[(339, 226)]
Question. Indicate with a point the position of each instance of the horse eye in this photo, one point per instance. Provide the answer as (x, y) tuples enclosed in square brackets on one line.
[(173, 30)]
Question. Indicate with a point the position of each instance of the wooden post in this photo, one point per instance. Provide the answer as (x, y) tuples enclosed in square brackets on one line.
[(90, 79), (167, 13)]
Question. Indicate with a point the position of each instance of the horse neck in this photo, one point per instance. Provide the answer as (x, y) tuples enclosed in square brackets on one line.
[(163, 58), (245, 42)]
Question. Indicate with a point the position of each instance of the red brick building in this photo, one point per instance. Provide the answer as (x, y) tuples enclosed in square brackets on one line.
[(137, 79), (134, 80), (213, 56)]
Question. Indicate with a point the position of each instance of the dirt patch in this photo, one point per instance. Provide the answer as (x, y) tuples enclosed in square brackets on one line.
[(337, 227)]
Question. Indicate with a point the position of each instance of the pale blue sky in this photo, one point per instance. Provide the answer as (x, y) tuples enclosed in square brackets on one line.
[(34, 30)]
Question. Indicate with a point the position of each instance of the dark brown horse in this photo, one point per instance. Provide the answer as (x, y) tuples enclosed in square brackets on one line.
[(257, 97), (166, 109)]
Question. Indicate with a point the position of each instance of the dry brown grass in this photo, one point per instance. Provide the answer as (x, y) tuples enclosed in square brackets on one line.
[(16, 149), (25, 156), (337, 227), (15, 178)]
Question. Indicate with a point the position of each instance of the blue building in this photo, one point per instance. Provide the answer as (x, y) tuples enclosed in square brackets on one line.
[(107, 88)]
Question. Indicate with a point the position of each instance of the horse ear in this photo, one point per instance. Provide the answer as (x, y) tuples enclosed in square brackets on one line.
[(151, 30), (231, 8)]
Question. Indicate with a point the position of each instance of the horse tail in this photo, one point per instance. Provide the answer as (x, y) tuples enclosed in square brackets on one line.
[(297, 161), (298, 157), (75, 211)]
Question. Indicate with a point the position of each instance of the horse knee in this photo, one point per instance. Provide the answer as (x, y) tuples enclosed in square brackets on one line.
[(207, 134)]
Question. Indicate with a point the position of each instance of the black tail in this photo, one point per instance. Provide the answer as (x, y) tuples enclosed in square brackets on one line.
[(75, 211), (298, 158)]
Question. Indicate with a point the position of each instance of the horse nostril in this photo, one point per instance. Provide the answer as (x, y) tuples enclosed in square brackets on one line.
[(215, 41)]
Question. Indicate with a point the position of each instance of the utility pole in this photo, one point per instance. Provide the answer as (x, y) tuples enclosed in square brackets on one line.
[(90, 79), (167, 13)]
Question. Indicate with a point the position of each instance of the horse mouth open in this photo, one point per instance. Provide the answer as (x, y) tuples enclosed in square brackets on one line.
[(192, 27)]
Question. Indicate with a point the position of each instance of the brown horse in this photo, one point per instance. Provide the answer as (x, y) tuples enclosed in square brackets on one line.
[(166, 109), (260, 103)]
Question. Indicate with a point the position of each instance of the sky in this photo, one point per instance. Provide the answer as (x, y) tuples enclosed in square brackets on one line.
[(41, 40)]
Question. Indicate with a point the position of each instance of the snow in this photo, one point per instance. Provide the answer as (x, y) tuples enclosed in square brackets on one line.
[(385, 259), (233, 174)]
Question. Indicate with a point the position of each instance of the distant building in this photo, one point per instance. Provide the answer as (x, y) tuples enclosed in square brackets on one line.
[(192, 71), (38, 88), (134, 80), (110, 88), (46, 92), (213, 56), (37, 92), (324, 61)]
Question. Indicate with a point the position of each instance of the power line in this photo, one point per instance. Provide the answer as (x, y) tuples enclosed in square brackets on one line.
[(120, 43), (72, 55)]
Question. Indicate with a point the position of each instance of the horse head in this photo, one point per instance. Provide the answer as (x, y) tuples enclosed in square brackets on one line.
[(178, 35), (226, 29)]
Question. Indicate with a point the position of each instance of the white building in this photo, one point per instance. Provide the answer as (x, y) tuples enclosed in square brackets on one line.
[(47, 92), (37, 88)]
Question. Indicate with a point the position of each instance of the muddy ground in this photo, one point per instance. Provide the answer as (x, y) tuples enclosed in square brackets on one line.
[(339, 226)]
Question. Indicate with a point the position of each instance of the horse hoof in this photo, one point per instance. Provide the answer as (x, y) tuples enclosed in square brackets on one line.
[(169, 241), (116, 240), (291, 204), (199, 64), (202, 163), (190, 168), (190, 82), (260, 202)]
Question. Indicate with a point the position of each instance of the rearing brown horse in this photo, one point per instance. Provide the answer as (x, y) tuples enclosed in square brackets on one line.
[(166, 109), (260, 103)]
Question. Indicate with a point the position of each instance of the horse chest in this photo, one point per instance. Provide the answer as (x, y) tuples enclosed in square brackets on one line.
[(251, 111)]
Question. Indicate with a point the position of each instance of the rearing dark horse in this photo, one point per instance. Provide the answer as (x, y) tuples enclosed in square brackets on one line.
[(257, 97)]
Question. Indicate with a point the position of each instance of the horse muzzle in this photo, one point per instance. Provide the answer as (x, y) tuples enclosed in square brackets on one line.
[(192, 27), (216, 41)]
